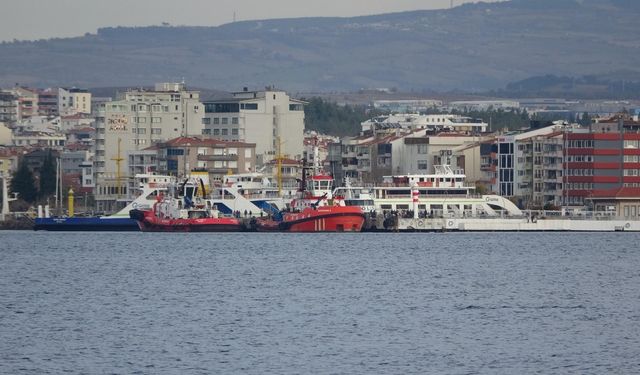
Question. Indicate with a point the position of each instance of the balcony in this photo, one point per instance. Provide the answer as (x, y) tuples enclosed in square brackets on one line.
[(217, 157)]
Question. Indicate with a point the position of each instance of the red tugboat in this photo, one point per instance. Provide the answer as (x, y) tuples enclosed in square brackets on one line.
[(315, 211), (185, 213)]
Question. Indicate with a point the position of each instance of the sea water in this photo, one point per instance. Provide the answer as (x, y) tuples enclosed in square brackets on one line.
[(442, 303)]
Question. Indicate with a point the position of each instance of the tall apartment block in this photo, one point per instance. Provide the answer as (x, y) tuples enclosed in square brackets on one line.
[(260, 117), (140, 118)]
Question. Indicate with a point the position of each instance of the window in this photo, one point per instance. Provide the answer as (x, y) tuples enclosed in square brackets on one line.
[(225, 121), (172, 165), (250, 106), (422, 149), (156, 120), (175, 152), (221, 107), (206, 121), (234, 120), (216, 120), (156, 131), (216, 131), (225, 131), (234, 131), (423, 164)]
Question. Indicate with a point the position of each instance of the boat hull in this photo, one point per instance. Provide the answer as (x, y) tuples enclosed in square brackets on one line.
[(324, 219), (82, 224), (148, 222)]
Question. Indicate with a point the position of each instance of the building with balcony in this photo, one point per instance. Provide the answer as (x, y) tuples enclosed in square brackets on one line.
[(603, 157), (8, 107), (141, 118), (270, 119), (48, 102), (181, 155)]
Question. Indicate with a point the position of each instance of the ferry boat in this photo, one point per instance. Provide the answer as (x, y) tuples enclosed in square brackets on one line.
[(315, 210), (442, 194), (150, 186), (185, 210)]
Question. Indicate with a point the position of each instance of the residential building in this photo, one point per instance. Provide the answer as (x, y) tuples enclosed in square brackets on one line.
[(269, 118), (73, 100), (40, 139), (418, 154), (181, 155), (48, 102), (528, 166), (601, 158), (8, 107), (27, 102), (143, 161), (73, 121), (290, 173), (141, 118)]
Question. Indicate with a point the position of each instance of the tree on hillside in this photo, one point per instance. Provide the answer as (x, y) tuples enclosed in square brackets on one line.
[(330, 118), (48, 176), (24, 184)]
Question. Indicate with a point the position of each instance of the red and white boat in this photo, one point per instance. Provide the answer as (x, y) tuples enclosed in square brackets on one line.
[(185, 212), (315, 211)]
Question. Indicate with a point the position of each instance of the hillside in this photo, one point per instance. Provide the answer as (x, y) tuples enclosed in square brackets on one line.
[(471, 47)]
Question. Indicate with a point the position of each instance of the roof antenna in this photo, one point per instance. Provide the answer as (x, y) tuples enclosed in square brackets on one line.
[(451, 4)]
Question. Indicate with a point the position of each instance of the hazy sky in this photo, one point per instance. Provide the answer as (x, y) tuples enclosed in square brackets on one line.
[(37, 19)]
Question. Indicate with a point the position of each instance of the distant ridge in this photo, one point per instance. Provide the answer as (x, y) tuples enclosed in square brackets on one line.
[(471, 47)]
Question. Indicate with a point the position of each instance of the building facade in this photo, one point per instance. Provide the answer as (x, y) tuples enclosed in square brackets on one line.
[(270, 119), (141, 118), (73, 100)]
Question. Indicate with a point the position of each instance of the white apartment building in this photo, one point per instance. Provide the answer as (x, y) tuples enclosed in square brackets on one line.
[(141, 118), (260, 117), (73, 100), (530, 166), (418, 154), (414, 121)]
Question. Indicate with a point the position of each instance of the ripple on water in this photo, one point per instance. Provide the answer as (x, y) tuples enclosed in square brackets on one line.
[(319, 303)]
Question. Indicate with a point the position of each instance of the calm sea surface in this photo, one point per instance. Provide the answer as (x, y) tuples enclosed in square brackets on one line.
[(443, 303)]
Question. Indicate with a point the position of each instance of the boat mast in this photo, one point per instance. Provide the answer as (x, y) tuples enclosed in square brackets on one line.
[(118, 159), (279, 166)]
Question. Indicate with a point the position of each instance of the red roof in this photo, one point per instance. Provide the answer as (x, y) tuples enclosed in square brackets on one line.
[(624, 192)]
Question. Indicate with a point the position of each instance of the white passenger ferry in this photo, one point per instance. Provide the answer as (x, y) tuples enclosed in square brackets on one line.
[(442, 194)]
